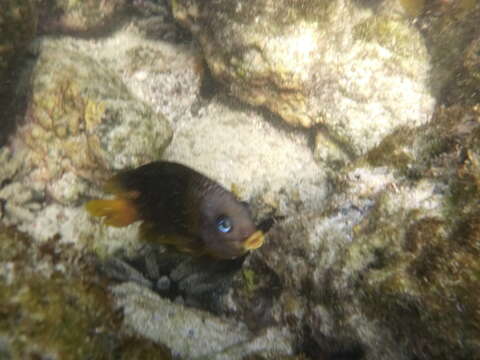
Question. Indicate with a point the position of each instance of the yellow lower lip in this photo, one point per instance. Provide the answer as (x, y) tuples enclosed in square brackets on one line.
[(254, 241)]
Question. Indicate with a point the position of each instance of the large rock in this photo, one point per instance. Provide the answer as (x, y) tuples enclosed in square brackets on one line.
[(53, 305), (391, 268), (332, 64), (117, 71), (194, 334), (82, 115)]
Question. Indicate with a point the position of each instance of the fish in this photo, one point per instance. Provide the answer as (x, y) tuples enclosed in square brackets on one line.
[(181, 208)]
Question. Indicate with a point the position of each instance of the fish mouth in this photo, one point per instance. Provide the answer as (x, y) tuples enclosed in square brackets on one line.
[(254, 241)]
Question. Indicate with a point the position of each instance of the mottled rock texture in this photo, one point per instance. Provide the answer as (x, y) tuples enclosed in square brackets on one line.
[(449, 28), (194, 334), (333, 64), (17, 29), (391, 268), (376, 260), (53, 305), (18, 21), (82, 123), (80, 17)]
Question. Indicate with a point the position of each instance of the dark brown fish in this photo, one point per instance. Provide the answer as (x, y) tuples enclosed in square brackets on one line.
[(179, 207)]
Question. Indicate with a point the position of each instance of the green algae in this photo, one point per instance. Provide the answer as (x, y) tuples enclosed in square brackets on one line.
[(424, 266), (251, 283), (449, 29), (392, 151), (430, 292), (389, 32), (52, 304)]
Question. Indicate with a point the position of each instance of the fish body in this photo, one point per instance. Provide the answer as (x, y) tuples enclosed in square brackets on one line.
[(180, 207)]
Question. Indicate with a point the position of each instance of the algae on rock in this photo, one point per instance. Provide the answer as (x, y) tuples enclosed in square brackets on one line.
[(80, 17), (390, 268), (83, 116), (17, 28), (336, 64), (53, 305)]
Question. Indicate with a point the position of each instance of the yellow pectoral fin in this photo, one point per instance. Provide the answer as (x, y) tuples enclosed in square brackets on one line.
[(254, 241), (117, 212)]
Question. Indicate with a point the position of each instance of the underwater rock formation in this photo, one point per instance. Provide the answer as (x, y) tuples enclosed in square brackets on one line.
[(195, 334), (80, 17), (82, 123), (376, 260), (391, 268), (449, 28), (54, 305), (333, 64), (17, 29), (18, 21)]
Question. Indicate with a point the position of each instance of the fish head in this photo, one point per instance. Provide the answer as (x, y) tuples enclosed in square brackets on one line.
[(226, 226)]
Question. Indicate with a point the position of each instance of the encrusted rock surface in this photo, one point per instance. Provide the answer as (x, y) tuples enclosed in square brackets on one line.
[(53, 305), (335, 64), (18, 21), (376, 260), (194, 334), (82, 117), (392, 263), (449, 28), (80, 17), (17, 28)]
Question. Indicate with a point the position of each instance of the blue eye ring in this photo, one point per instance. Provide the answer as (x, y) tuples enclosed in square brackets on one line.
[(224, 224)]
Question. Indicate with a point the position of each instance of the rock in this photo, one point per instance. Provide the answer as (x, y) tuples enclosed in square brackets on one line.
[(155, 20), (374, 260), (472, 60), (194, 334), (82, 115), (163, 283), (392, 262), (17, 28), (449, 27), (338, 65), (64, 306), (18, 21), (81, 17), (467, 83)]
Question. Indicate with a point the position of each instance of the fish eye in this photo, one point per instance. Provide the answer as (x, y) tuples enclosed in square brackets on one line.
[(224, 224)]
